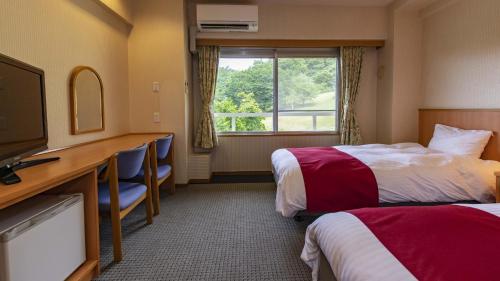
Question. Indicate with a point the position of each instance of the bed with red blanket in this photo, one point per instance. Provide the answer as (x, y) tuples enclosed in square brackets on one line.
[(452, 242), (330, 179)]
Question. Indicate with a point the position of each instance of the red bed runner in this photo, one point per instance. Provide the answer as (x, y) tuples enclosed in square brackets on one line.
[(334, 180), (439, 243)]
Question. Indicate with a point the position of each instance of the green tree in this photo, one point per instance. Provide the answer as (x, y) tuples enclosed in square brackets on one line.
[(257, 79), (301, 82), (248, 104), (223, 124)]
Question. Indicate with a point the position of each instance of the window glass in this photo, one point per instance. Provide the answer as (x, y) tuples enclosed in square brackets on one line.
[(307, 94), (244, 95), (302, 91)]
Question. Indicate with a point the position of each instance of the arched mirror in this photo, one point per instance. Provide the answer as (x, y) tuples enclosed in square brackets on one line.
[(87, 101)]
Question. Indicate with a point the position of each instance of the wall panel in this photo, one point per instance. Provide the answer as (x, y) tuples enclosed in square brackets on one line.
[(59, 35)]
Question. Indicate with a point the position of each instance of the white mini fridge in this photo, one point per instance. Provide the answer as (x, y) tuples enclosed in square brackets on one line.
[(42, 238)]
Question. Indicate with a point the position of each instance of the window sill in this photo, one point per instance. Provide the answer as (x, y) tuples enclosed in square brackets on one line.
[(276, 134)]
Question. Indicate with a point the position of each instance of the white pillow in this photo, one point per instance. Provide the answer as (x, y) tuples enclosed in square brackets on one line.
[(458, 141)]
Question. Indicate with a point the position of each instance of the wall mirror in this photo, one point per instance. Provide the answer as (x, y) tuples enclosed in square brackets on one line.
[(87, 101)]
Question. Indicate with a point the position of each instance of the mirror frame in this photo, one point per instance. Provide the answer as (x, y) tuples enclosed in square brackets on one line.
[(72, 89)]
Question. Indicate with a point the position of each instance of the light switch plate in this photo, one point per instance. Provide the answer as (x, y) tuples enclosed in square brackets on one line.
[(156, 117), (156, 87)]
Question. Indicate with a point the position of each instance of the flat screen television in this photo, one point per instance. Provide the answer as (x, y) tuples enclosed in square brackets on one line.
[(23, 113)]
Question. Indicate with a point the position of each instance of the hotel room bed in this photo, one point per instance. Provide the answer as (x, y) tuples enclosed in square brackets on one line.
[(406, 172), (448, 165), (405, 243)]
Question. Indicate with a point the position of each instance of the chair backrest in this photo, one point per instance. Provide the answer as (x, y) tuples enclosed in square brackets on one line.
[(129, 162), (163, 147)]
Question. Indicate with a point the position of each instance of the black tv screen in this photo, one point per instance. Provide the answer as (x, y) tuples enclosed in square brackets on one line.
[(23, 125)]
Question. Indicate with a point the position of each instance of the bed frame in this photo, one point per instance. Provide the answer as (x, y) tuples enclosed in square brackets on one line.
[(325, 271)]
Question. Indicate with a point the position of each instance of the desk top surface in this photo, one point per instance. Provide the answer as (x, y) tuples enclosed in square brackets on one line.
[(74, 161)]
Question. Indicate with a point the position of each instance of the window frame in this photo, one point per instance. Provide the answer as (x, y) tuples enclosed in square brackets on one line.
[(237, 52)]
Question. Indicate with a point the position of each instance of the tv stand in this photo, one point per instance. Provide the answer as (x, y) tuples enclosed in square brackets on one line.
[(8, 173)]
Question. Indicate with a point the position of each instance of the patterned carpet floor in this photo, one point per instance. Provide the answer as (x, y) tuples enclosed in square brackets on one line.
[(209, 232)]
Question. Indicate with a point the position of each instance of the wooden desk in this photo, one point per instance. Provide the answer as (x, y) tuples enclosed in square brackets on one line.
[(74, 173)]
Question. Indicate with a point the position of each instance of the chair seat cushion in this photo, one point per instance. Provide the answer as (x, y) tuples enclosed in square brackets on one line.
[(163, 171), (129, 192)]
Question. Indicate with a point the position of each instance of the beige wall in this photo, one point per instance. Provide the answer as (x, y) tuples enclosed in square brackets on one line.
[(236, 154), (407, 61), (302, 22), (366, 104), (157, 52), (461, 66), (121, 7), (311, 22), (400, 69), (58, 35), (384, 86)]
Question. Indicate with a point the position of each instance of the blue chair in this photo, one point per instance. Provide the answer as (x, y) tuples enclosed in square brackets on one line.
[(120, 197), (161, 168)]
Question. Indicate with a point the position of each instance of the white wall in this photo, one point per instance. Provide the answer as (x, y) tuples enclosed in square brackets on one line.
[(461, 65), (59, 35)]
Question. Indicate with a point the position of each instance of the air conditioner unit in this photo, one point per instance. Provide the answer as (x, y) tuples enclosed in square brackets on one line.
[(226, 18)]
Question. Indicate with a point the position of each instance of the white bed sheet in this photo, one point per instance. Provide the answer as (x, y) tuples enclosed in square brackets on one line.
[(405, 172), (353, 251)]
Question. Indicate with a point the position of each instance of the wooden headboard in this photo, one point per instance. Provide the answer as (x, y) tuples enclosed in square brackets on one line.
[(471, 119)]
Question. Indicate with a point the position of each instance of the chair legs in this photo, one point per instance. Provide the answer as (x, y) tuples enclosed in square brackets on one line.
[(149, 206), (171, 184), (115, 210), (156, 196), (117, 236)]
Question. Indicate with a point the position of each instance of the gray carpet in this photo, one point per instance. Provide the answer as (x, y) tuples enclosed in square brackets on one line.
[(209, 232)]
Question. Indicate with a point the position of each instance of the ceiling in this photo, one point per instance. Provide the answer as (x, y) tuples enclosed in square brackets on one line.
[(355, 3)]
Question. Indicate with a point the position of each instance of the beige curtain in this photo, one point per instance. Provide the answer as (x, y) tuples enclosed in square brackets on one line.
[(351, 59), (208, 61)]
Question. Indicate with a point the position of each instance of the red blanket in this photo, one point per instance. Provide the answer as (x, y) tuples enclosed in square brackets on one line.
[(439, 243), (334, 180)]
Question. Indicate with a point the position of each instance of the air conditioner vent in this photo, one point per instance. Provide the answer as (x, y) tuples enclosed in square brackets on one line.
[(226, 18), (218, 26)]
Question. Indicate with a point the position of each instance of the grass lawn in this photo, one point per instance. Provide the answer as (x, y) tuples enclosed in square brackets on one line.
[(305, 123), (301, 123), (324, 101)]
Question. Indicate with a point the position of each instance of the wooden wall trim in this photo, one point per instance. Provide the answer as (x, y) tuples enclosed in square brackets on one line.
[(285, 43)]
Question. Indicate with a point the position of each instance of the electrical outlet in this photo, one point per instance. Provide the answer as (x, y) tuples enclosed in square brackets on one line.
[(156, 87), (156, 117)]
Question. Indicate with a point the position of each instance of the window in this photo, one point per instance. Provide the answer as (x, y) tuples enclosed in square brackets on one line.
[(271, 90)]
